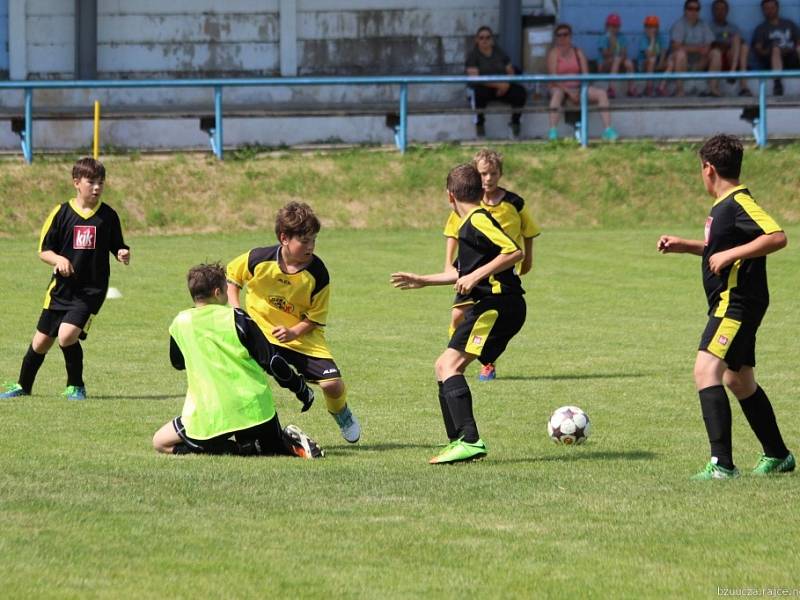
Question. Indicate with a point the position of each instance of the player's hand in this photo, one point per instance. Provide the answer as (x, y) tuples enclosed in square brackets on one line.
[(63, 267), (669, 243), (502, 88), (124, 255), (717, 262), (406, 281), (464, 285), (284, 334)]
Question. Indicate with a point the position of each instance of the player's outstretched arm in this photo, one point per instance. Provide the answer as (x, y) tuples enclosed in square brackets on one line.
[(671, 244), (412, 281)]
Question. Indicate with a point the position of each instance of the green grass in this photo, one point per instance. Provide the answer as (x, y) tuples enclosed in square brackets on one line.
[(621, 185), (89, 510)]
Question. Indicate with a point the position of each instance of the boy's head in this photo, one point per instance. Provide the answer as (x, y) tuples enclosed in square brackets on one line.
[(651, 21), (613, 22), (691, 10), (296, 219), (490, 167), (464, 184), (207, 283), (89, 168), (719, 9), (723, 153), (484, 38)]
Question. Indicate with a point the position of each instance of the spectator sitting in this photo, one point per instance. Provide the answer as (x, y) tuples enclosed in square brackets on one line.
[(613, 50), (728, 51), (486, 59), (775, 43), (565, 59), (653, 55), (691, 43)]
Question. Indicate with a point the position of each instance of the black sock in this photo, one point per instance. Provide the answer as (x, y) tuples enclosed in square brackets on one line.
[(30, 367), (758, 410), (73, 359), (449, 426), (717, 416), (459, 400)]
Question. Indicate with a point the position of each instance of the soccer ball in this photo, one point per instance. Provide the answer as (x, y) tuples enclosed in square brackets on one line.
[(568, 425)]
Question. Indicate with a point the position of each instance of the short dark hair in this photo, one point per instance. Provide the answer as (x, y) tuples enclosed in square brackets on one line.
[(204, 278), (724, 153), (715, 2), (484, 28), (89, 168), (296, 219), (763, 2), (562, 26), (464, 182), (688, 2)]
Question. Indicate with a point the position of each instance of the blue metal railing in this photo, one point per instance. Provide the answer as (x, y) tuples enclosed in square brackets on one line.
[(401, 130)]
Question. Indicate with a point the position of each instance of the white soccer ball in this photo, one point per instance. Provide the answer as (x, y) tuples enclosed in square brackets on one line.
[(568, 425)]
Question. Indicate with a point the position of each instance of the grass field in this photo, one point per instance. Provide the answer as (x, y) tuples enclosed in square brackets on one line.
[(89, 510)]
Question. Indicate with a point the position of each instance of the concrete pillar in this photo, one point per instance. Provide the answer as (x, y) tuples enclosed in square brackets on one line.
[(511, 30), (288, 31), (86, 39), (17, 40)]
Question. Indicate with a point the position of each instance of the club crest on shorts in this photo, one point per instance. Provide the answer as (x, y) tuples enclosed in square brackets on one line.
[(477, 340), (723, 340), (84, 237)]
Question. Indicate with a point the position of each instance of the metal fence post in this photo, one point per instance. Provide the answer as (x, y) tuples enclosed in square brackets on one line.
[(218, 121), (584, 131), (27, 133), (762, 113), (402, 134)]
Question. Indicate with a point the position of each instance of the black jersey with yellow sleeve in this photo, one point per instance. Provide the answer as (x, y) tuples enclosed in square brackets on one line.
[(276, 298), (480, 240), (740, 290), (86, 238)]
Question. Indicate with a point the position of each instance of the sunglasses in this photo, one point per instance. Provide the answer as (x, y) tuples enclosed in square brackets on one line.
[(563, 34), (693, 8), (485, 37)]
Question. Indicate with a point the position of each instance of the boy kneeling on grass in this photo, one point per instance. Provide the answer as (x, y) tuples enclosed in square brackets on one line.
[(228, 407)]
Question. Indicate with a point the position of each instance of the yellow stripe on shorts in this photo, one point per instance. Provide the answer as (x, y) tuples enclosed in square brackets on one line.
[(480, 331), (723, 337)]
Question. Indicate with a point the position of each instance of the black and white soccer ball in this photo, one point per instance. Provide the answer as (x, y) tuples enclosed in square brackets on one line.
[(568, 425)]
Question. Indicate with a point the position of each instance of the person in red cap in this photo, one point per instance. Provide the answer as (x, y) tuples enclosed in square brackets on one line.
[(613, 51), (653, 55)]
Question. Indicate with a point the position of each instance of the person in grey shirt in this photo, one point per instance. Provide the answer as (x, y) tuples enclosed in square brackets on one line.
[(775, 43), (691, 40), (728, 50)]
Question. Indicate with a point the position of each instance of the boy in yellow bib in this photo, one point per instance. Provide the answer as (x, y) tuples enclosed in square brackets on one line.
[(229, 407)]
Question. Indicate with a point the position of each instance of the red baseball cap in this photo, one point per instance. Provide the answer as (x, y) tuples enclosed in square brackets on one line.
[(613, 19), (651, 21)]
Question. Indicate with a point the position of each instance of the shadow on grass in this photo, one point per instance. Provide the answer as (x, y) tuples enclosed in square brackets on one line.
[(138, 397), (583, 454), (384, 447), (576, 377)]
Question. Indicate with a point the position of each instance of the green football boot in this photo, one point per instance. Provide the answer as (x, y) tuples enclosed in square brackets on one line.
[(75, 392), (13, 390), (713, 471), (768, 466), (459, 451)]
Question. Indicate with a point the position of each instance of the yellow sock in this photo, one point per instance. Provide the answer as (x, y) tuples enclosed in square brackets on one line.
[(335, 405)]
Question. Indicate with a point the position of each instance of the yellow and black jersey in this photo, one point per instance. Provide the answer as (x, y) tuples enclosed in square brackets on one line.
[(740, 290), (276, 298), (86, 239), (510, 212), (480, 240)]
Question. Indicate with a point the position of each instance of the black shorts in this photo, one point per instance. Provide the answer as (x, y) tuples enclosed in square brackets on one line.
[(312, 368), (790, 61), (731, 340), (264, 439), (488, 326), (50, 320)]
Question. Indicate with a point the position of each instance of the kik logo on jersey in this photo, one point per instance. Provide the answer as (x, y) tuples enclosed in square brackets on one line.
[(84, 237), (280, 303)]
